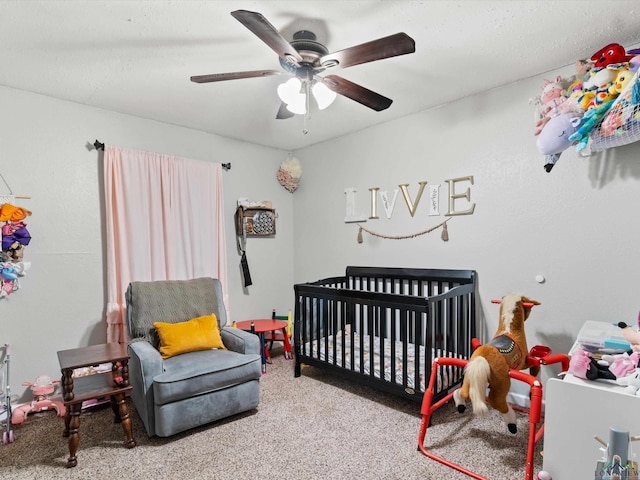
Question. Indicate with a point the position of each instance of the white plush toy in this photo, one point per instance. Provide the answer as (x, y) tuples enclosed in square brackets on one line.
[(631, 383)]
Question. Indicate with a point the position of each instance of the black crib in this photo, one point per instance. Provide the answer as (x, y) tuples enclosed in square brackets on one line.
[(384, 326)]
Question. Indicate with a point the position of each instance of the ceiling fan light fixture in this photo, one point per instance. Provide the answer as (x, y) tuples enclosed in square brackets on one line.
[(298, 105), (289, 90), (323, 95)]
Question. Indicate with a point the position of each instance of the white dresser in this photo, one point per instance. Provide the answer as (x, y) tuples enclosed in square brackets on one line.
[(575, 411)]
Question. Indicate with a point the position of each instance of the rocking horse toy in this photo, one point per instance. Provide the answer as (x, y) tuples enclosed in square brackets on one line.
[(41, 389), (490, 364), (489, 368)]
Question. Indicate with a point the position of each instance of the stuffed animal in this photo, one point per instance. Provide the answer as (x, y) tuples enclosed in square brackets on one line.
[(634, 63), (598, 78), (552, 96), (631, 335), (600, 88), (550, 101), (612, 53), (583, 365), (616, 116), (622, 80), (576, 88), (588, 123), (554, 137), (490, 364), (631, 383)]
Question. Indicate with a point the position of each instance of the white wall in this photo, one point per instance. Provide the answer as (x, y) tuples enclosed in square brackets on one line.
[(577, 225), (43, 153)]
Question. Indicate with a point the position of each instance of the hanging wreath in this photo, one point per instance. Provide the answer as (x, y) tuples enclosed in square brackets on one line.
[(289, 173)]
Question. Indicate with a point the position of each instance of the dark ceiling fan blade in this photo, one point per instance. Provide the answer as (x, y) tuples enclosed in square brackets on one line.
[(284, 112), (391, 46), (266, 32), (220, 77), (355, 92)]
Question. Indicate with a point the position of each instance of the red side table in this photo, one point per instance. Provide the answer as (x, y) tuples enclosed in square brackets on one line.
[(262, 326)]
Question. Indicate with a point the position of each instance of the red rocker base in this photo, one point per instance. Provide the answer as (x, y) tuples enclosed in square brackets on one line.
[(538, 355)]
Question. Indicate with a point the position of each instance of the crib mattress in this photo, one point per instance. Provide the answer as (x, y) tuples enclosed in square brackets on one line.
[(316, 349)]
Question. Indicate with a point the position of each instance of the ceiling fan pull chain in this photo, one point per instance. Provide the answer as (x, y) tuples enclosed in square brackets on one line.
[(307, 106)]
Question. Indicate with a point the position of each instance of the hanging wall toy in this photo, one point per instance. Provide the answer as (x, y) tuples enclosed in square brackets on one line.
[(15, 237)]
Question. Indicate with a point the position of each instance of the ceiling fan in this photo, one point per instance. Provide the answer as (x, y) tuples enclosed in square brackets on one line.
[(305, 58)]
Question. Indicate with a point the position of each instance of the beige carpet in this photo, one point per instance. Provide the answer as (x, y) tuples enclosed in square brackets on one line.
[(312, 427)]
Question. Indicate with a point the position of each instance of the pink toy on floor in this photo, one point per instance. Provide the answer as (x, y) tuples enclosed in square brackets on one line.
[(41, 389)]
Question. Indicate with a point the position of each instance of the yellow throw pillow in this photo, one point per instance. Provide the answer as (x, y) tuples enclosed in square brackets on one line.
[(200, 333)]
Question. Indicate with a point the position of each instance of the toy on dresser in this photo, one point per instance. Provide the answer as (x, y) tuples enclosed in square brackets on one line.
[(42, 388), (615, 359)]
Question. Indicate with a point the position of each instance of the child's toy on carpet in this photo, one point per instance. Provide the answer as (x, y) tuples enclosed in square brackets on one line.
[(489, 364), (42, 388)]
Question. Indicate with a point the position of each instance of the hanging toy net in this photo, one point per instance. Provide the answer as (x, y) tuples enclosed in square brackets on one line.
[(621, 123)]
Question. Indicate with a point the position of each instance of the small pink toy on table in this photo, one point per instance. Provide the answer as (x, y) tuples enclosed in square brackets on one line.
[(262, 326)]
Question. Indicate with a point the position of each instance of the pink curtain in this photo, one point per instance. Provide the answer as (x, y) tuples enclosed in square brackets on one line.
[(164, 221)]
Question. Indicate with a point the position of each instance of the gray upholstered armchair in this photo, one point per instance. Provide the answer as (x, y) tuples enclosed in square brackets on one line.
[(190, 389)]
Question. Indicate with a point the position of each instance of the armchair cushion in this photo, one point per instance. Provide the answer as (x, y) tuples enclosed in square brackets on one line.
[(198, 373), (171, 301), (201, 333)]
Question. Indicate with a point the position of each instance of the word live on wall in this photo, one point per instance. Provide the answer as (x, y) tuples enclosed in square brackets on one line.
[(388, 204)]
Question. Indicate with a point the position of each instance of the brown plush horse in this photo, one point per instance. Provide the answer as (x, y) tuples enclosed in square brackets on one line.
[(490, 364)]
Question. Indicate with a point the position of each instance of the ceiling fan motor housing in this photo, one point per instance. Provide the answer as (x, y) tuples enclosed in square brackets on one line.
[(310, 50)]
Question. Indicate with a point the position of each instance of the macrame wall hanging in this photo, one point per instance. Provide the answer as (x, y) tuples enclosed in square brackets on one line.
[(444, 235), (15, 237)]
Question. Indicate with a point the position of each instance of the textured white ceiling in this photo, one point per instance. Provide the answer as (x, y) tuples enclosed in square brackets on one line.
[(136, 57)]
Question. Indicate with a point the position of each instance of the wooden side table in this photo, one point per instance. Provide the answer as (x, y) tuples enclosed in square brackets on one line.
[(114, 384)]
